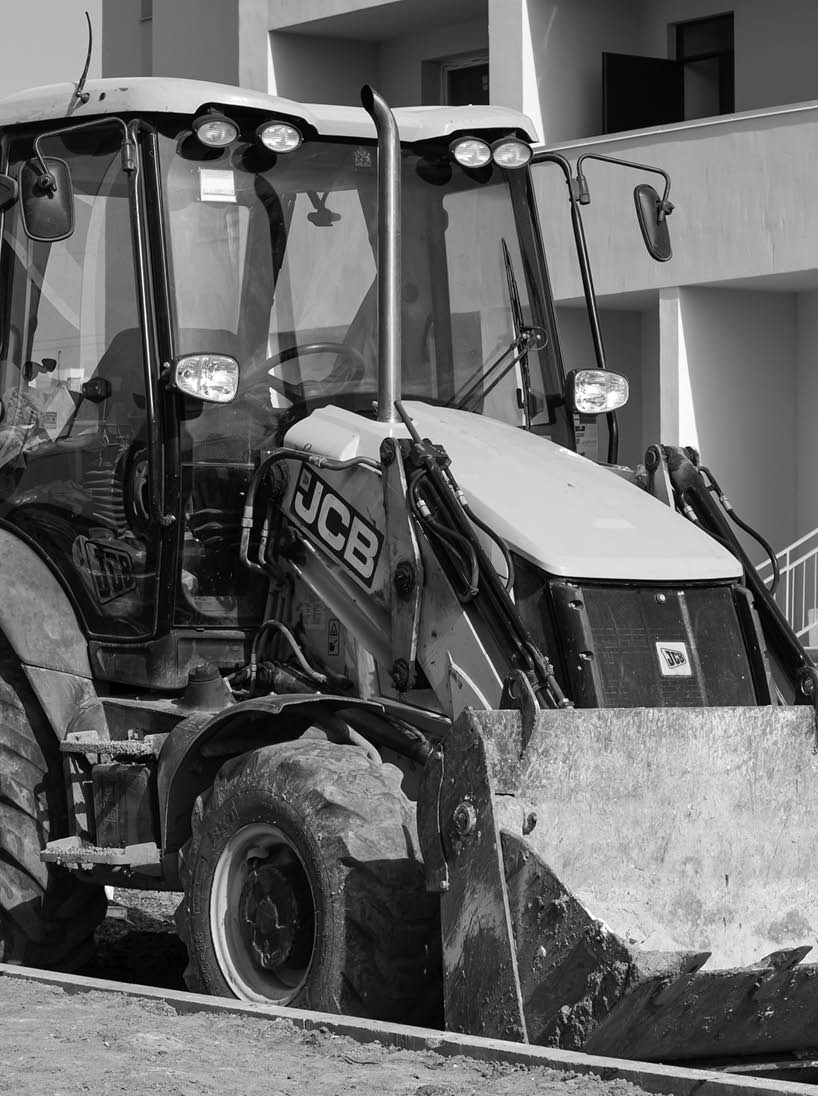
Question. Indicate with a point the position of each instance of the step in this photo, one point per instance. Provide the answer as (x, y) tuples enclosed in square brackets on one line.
[(73, 852), (89, 744)]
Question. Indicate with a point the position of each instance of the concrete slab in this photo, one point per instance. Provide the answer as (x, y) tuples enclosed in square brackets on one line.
[(665, 1080)]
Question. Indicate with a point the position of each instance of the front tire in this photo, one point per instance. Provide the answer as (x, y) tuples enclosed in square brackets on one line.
[(303, 887), (47, 916)]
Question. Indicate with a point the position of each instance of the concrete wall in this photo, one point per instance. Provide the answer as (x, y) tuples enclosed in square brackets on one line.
[(402, 59), (126, 41), (321, 70), (568, 40), (774, 43), (741, 205), (332, 69), (196, 40), (806, 410)]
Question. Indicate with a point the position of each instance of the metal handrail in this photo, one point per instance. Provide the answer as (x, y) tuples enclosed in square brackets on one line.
[(797, 593)]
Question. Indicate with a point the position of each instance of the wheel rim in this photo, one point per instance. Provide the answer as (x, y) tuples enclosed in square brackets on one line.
[(262, 915)]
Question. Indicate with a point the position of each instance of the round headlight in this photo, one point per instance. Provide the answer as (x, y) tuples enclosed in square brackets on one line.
[(595, 391), (210, 377), (215, 130), (511, 152), (279, 137), (470, 152)]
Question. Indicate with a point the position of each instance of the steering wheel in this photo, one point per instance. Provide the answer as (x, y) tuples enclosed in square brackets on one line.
[(298, 393)]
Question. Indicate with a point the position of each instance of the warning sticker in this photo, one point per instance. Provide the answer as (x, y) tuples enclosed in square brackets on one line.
[(333, 636), (57, 412), (216, 185), (313, 614)]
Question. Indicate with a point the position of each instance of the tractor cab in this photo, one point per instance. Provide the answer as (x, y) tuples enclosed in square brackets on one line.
[(189, 271)]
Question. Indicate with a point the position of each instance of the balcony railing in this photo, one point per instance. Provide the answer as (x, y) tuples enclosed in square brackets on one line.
[(797, 592)]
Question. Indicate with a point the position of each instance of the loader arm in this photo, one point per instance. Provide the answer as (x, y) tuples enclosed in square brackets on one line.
[(698, 495)]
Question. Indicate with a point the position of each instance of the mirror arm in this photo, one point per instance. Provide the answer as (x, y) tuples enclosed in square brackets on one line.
[(665, 205), (575, 198), (47, 180)]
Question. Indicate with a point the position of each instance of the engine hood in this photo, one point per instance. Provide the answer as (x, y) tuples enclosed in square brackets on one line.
[(562, 512)]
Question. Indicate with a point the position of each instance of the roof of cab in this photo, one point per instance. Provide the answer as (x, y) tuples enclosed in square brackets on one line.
[(58, 102)]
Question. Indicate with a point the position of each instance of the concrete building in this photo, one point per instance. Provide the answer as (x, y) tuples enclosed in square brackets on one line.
[(720, 343)]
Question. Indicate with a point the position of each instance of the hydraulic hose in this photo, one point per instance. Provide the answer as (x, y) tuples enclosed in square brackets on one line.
[(490, 597), (278, 455), (697, 497), (748, 529)]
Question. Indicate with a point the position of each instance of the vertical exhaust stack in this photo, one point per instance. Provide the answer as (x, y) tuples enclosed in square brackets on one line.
[(389, 253)]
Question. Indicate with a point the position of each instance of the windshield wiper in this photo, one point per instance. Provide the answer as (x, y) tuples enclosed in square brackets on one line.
[(525, 339), (517, 321)]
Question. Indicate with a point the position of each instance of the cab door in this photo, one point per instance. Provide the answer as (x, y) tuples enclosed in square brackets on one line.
[(73, 426)]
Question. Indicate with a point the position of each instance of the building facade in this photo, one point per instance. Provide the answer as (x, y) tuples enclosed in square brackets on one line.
[(721, 343)]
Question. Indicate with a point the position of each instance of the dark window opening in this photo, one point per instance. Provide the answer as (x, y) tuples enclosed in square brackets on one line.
[(465, 82), (704, 49), (651, 91)]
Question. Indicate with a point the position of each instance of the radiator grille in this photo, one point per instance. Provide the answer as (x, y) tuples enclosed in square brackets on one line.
[(671, 647)]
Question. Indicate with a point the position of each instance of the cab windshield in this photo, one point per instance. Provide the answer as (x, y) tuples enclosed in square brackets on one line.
[(273, 260)]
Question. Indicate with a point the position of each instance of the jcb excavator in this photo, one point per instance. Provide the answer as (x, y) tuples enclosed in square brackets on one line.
[(312, 611)]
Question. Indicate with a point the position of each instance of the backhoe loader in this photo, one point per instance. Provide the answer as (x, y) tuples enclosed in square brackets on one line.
[(312, 611)]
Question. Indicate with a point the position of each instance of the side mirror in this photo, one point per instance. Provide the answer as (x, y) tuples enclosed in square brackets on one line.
[(652, 214), (47, 200), (96, 390), (8, 192)]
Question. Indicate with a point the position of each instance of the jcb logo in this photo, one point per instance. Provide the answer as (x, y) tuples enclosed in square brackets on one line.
[(348, 535), (110, 568), (673, 660)]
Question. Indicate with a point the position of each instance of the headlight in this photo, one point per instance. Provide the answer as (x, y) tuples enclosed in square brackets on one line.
[(470, 152), (210, 377), (511, 152), (595, 391), (279, 136), (215, 130)]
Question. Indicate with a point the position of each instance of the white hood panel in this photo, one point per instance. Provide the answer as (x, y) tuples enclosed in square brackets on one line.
[(562, 512)]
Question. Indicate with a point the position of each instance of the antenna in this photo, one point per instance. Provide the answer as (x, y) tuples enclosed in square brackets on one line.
[(80, 93)]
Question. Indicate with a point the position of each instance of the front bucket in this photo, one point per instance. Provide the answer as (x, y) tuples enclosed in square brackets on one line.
[(654, 889)]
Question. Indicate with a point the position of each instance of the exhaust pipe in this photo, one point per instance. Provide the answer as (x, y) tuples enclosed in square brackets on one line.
[(389, 254)]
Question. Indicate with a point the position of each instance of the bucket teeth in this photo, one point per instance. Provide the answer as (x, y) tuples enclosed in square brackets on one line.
[(583, 986), (679, 828), (783, 959), (719, 1014)]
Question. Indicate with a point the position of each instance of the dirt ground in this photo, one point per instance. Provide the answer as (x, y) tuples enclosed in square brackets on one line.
[(61, 1044), (109, 1045)]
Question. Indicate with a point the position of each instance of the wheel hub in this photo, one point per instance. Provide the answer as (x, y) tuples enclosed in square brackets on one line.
[(271, 915)]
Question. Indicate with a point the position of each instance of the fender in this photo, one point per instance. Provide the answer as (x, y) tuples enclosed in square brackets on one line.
[(197, 747), (41, 626)]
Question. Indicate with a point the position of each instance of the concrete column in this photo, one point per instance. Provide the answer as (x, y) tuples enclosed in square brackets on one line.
[(512, 62), (255, 64), (198, 41), (677, 414)]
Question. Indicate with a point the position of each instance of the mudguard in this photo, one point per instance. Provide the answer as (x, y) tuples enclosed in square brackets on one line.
[(40, 625)]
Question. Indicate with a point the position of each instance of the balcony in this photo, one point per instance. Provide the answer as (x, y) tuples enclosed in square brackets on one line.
[(745, 214)]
